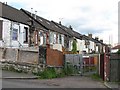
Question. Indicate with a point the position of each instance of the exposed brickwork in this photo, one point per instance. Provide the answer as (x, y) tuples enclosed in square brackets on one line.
[(54, 57)]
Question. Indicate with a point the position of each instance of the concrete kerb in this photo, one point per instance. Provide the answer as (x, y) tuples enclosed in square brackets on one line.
[(106, 85), (35, 77), (111, 86)]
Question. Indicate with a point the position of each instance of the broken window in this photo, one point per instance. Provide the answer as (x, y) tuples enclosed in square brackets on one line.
[(14, 34), (25, 35), (1, 25)]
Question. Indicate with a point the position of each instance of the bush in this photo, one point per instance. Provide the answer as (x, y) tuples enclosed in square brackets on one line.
[(48, 73)]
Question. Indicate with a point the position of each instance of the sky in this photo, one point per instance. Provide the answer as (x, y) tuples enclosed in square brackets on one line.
[(99, 17)]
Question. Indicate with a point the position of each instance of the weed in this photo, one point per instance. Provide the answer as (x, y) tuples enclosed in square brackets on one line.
[(48, 73), (96, 76)]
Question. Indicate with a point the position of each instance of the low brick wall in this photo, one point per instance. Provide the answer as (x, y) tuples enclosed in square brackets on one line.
[(28, 56), (54, 58), (19, 55)]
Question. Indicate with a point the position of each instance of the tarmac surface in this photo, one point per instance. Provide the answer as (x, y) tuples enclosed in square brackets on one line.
[(22, 80)]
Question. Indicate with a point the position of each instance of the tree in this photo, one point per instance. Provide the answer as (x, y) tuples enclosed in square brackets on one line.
[(74, 46)]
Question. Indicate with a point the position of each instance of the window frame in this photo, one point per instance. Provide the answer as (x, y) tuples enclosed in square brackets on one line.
[(14, 38)]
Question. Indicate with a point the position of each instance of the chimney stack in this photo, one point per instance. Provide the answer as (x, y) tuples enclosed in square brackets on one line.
[(90, 35), (70, 27), (60, 22), (35, 14), (31, 11), (96, 38), (101, 40)]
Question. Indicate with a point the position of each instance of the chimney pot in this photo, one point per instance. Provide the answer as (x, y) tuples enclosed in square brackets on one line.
[(60, 22)]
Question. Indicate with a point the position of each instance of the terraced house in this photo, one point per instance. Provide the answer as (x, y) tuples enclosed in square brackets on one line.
[(21, 28), (14, 30)]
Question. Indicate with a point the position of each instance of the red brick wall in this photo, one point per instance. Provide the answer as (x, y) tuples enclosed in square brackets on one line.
[(54, 58), (89, 60)]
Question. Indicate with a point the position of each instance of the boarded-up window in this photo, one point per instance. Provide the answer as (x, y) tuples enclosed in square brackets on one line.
[(1, 25), (25, 35)]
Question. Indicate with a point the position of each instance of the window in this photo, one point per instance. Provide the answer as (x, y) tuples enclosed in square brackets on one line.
[(44, 39), (60, 39), (1, 24), (54, 38), (14, 34), (25, 35), (51, 37)]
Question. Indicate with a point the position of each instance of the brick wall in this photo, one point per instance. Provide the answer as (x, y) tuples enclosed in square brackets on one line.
[(11, 54), (28, 56), (54, 58)]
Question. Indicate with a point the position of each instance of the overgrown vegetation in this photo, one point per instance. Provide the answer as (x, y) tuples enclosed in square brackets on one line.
[(47, 73), (74, 46), (50, 72)]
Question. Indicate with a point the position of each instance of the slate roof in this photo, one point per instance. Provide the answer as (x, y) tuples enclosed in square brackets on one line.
[(23, 16), (69, 31), (16, 15), (45, 23)]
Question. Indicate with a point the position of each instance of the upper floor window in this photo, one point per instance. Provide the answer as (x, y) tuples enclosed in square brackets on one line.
[(60, 39), (25, 35), (1, 25)]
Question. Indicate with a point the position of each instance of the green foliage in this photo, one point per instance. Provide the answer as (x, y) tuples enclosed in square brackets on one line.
[(11, 68), (48, 73), (96, 76), (69, 69), (118, 52), (74, 46)]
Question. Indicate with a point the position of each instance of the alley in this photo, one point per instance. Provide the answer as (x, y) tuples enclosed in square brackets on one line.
[(66, 82)]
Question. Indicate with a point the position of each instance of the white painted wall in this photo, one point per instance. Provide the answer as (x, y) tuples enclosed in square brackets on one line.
[(57, 47), (70, 44), (91, 46), (7, 34), (62, 40)]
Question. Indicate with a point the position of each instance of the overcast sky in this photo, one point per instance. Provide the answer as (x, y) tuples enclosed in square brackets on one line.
[(99, 17)]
